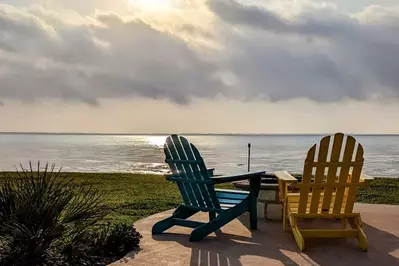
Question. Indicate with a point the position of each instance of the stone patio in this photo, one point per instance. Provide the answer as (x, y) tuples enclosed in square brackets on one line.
[(235, 245)]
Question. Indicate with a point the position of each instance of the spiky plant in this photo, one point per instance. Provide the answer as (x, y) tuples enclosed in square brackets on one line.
[(41, 208)]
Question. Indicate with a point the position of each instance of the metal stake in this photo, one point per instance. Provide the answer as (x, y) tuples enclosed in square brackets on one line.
[(249, 157)]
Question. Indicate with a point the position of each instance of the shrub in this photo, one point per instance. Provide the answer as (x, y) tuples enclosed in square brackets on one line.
[(102, 246), (117, 239), (40, 212)]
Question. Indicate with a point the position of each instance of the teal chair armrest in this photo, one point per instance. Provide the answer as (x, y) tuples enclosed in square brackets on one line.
[(232, 178)]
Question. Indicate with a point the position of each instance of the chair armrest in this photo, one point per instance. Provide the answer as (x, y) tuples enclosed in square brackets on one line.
[(285, 177), (366, 178), (210, 172), (226, 179), (284, 180)]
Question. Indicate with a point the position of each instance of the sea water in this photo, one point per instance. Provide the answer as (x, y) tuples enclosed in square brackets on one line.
[(228, 154)]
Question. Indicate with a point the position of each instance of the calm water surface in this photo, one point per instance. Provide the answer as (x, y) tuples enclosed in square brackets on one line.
[(144, 154)]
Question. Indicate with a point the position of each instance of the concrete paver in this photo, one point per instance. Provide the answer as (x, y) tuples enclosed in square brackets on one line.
[(236, 245)]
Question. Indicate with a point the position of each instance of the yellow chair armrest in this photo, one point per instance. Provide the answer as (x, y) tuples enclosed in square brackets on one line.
[(285, 176), (366, 178), (284, 180)]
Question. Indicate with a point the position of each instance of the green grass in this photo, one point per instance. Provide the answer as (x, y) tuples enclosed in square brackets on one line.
[(131, 197), (380, 191)]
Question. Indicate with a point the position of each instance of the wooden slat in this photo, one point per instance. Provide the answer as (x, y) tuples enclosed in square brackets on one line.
[(285, 176), (294, 209), (205, 209), (188, 181), (173, 168), (226, 206), (204, 173), (329, 233), (325, 215), (182, 161), (322, 157), (187, 223), (343, 177), (332, 170), (220, 195), (229, 201), (336, 164), (356, 172), (188, 168), (307, 175), (366, 177), (294, 205), (198, 173), (295, 197), (325, 185), (210, 172), (232, 191), (238, 177), (175, 156)]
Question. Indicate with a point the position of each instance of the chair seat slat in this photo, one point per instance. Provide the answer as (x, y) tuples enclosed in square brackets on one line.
[(222, 195), (229, 201)]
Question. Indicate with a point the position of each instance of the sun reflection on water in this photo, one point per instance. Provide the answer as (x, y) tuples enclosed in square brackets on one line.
[(156, 140)]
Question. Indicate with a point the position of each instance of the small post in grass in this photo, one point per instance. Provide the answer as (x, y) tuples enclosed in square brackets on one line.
[(249, 157)]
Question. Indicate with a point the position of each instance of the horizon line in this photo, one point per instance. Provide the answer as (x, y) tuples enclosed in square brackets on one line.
[(193, 134)]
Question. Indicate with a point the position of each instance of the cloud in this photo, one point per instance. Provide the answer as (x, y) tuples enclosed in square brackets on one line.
[(319, 53), (314, 20), (113, 58)]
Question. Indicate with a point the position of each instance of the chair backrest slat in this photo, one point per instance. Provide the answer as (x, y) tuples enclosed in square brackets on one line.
[(334, 187), (332, 171), (197, 172), (188, 171), (322, 157), (207, 188), (343, 175), (354, 178), (170, 150), (186, 163), (306, 178)]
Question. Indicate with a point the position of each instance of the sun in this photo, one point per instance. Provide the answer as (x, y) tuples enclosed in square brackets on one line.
[(152, 5)]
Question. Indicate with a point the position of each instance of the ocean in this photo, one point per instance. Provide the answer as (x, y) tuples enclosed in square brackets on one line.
[(144, 153)]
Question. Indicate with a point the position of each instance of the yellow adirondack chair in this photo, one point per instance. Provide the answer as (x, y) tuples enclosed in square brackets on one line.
[(327, 190)]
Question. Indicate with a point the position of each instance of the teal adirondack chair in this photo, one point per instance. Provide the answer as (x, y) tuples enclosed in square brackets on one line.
[(196, 185)]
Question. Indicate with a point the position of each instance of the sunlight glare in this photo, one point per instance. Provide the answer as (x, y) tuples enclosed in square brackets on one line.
[(156, 140), (152, 5)]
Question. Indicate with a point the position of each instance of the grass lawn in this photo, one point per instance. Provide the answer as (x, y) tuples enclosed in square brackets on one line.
[(134, 196), (131, 197)]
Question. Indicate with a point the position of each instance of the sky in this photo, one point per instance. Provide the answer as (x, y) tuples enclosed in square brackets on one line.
[(199, 66)]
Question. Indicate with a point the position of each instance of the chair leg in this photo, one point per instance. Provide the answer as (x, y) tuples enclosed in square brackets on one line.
[(344, 222), (362, 236), (202, 231), (223, 218), (212, 215), (297, 234), (285, 228), (253, 214), (181, 212)]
